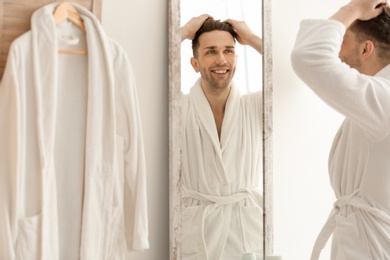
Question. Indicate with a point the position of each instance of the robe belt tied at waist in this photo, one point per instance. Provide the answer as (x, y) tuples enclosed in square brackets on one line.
[(353, 200), (214, 202)]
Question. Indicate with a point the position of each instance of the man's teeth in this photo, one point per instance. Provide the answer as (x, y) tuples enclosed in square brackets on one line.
[(220, 71)]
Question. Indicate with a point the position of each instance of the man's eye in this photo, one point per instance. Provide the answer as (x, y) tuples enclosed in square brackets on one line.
[(210, 52)]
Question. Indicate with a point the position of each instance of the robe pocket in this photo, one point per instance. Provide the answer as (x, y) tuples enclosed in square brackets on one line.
[(28, 238), (252, 228), (191, 229), (113, 220), (350, 239)]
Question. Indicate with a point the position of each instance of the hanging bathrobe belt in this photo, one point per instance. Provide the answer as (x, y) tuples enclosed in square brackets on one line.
[(354, 201), (215, 201)]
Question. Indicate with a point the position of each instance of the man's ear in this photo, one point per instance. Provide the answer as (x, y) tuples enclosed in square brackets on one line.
[(194, 63), (367, 49)]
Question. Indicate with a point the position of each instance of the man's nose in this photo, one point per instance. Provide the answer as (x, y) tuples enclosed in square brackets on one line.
[(221, 59)]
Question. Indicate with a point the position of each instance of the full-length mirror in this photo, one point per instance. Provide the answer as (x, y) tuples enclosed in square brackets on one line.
[(217, 156)]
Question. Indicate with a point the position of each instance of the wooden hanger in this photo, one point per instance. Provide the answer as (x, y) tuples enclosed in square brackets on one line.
[(64, 11)]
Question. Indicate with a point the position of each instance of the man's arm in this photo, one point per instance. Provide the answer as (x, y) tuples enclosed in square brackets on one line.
[(246, 36), (359, 10)]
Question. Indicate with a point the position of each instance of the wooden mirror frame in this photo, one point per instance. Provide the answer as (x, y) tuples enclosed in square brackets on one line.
[(175, 133)]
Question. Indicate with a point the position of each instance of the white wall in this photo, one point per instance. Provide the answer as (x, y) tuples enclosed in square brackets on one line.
[(303, 126), (141, 27)]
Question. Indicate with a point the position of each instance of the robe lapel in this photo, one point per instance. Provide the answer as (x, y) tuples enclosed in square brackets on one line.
[(45, 75), (100, 143), (100, 112), (232, 109), (205, 114), (44, 56)]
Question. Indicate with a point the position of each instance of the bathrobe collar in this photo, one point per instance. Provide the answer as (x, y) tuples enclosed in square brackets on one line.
[(384, 72), (206, 116), (100, 77)]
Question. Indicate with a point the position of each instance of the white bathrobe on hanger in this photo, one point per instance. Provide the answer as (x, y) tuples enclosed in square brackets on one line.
[(72, 167), (222, 200), (359, 162)]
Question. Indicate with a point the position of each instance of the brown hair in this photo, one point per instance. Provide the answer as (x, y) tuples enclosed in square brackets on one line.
[(208, 26), (378, 31)]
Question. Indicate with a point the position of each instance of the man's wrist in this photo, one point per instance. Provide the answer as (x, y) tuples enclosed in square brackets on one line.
[(346, 15)]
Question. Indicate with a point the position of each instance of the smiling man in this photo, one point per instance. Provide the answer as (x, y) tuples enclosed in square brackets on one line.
[(222, 140), (215, 58)]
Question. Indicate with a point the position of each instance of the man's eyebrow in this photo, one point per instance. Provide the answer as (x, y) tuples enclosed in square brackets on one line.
[(215, 47), (210, 47)]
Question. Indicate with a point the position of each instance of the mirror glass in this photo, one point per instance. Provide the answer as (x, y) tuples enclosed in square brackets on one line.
[(222, 176)]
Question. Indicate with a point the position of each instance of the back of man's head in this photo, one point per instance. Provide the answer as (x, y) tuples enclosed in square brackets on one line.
[(378, 31), (208, 26)]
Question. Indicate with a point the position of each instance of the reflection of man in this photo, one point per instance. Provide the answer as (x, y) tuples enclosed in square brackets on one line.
[(222, 215), (357, 35)]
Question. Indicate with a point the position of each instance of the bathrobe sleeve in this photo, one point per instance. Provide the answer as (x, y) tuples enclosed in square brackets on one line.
[(362, 98), (129, 127), (10, 156)]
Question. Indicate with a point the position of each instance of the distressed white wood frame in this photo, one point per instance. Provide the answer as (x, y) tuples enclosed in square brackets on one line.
[(175, 131), (267, 130)]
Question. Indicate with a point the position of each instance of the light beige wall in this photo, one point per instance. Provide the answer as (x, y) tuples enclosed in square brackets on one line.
[(304, 128), (141, 28)]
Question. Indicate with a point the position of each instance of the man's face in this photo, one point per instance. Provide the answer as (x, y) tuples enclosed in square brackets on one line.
[(216, 59), (350, 51)]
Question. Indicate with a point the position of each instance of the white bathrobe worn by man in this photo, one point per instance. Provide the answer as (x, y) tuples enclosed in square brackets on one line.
[(359, 164), (72, 167), (222, 214)]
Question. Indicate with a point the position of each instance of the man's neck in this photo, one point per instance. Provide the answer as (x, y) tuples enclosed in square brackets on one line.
[(217, 100), (372, 68)]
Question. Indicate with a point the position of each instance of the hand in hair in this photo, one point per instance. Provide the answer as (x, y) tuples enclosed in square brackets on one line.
[(359, 10), (245, 35), (189, 30)]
